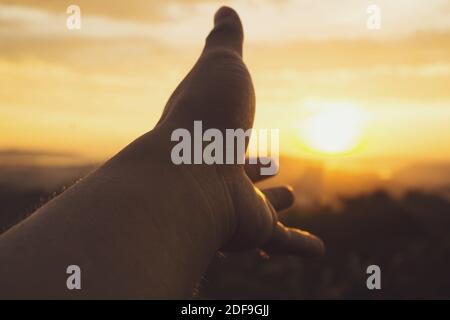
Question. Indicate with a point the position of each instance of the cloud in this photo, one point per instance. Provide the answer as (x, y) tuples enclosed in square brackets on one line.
[(34, 153), (135, 10), (187, 22), (98, 88), (26, 157)]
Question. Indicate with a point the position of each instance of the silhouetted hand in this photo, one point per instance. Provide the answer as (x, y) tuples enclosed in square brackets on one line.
[(141, 226), (219, 92)]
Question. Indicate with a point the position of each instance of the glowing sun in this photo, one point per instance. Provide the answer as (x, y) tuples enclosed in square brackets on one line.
[(333, 128)]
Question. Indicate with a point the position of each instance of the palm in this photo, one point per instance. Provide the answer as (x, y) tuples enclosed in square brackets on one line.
[(219, 92)]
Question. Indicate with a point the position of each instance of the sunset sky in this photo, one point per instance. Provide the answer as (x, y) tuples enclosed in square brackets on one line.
[(336, 90)]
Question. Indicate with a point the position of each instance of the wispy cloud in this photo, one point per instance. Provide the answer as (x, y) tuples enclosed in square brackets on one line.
[(267, 21), (97, 88)]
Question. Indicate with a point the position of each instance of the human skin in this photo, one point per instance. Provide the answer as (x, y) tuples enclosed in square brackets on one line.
[(141, 227)]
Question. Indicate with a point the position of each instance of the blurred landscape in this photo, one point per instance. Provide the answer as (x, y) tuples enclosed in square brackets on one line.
[(400, 224), (407, 237), (363, 117)]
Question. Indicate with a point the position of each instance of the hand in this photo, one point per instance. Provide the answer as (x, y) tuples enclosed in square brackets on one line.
[(219, 92), (143, 227)]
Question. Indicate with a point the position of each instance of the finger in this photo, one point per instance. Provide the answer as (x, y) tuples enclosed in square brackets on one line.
[(227, 33), (295, 242), (280, 197), (253, 171)]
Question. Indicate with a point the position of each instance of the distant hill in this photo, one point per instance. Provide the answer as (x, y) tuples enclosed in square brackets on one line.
[(408, 238), (406, 233)]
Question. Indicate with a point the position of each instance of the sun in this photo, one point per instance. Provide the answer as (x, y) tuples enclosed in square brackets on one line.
[(333, 128)]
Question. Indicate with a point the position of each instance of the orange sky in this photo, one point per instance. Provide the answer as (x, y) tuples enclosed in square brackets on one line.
[(92, 91)]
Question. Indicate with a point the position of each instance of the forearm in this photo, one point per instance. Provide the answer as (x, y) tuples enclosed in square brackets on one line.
[(133, 233)]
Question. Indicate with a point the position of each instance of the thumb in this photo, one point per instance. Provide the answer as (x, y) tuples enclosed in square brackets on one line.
[(227, 33), (218, 90)]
